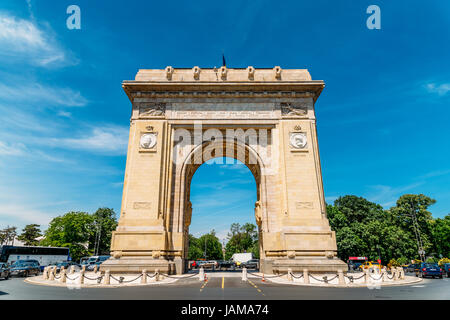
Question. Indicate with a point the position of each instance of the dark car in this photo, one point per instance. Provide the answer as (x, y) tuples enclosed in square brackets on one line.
[(227, 265), (412, 267), (4, 271), (25, 268), (251, 264), (429, 270)]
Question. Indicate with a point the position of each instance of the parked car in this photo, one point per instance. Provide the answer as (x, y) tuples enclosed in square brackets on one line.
[(429, 270), (412, 267), (25, 268), (251, 264), (208, 264), (97, 262), (226, 265), (4, 271), (447, 269)]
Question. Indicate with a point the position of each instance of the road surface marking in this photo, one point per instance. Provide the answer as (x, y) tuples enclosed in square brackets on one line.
[(223, 281), (419, 286), (256, 287), (201, 289)]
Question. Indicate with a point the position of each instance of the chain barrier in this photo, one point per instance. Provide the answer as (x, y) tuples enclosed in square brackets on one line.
[(151, 276), (96, 279), (297, 277), (381, 276), (265, 277), (72, 279), (390, 278), (128, 281), (59, 277), (186, 277)]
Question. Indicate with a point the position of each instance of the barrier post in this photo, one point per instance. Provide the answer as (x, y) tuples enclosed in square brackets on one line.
[(72, 270), (45, 273), (384, 276), (52, 273), (106, 279), (201, 274), (157, 275), (402, 274), (81, 278), (244, 274), (289, 275), (366, 275), (95, 268), (395, 272), (341, 277), (63, 275), (144, 276), (305, 276)]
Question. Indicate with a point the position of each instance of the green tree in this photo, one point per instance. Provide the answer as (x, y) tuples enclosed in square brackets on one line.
[(411, 214), (242, 239), (30, 234), (8, 235), (73, 230), (212, 245), (440, 230), (195, 252), (104, 223)]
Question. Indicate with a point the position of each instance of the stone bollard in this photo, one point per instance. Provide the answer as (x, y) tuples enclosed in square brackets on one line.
[(52, 273), (201, 274), (144, 276), (289, 275), (305, 276), (244, 274), (81, 278), (384, 276), (402, 274), (62, 273), (399, 273), (395, 273), (107, 277), (366, 275), (72, 270), (45, 273), (83, 268), (341, 277), (157, 275), (95, 268)]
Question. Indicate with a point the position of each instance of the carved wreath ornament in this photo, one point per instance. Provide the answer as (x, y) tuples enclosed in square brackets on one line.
[(148, 141), (298, 140)]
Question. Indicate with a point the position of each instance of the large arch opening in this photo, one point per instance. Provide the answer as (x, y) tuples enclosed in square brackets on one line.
[(206, 154), (222, 197)]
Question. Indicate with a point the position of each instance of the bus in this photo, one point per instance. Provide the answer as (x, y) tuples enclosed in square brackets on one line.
[(44, 255)]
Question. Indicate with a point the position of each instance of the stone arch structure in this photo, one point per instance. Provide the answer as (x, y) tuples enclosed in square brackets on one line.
[(182, 118)]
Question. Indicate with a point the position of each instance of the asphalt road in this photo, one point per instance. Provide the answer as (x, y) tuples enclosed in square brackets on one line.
[(225, 286)]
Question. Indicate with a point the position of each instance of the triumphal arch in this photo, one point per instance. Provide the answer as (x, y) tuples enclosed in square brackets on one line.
[(182, 118)]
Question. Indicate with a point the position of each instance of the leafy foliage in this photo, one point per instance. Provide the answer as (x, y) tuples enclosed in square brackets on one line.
[(242, 239), (364, 228), (208, 243), (30, 234), (77, 230)]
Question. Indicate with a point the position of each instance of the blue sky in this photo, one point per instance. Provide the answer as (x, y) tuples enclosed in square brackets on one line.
[(382, 118)]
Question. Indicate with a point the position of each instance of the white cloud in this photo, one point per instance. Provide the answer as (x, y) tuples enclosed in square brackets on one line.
[(441, 89), (106, 139), (20, 215), (25, 41), (37, 93), (387, 195), (15, 149)]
